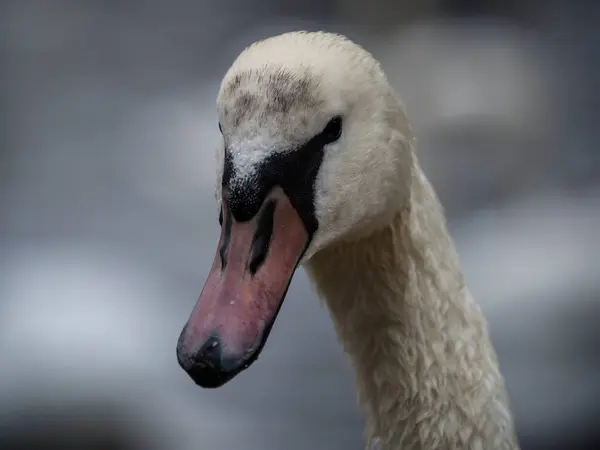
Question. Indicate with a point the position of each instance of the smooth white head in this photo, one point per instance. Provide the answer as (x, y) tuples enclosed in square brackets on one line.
[(282, 91)]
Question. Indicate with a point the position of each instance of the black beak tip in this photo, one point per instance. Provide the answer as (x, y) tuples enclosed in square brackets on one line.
[(206, 367), (207, 378)]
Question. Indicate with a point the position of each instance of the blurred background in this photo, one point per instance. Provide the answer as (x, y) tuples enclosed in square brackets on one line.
[(108, 224)]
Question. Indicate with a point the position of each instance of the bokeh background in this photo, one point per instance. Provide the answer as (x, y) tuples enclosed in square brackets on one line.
[(108, 224)]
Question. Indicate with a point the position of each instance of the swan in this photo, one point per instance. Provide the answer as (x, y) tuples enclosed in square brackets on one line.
[(316, 167)]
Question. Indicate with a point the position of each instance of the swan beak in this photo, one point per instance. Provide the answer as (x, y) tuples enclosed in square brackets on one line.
[(250, 275)]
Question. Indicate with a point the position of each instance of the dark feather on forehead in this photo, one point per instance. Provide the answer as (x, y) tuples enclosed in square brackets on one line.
[(267, 92)]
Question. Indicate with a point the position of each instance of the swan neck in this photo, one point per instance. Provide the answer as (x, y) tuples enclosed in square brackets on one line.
[(426, 372)]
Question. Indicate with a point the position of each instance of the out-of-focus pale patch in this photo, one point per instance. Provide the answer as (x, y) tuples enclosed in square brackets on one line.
[(457, 71), (486, 101), (536, 249), (78, 318), (175, 139)]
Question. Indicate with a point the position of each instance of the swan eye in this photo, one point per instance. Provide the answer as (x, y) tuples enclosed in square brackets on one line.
[(220, 128), (333, 130)]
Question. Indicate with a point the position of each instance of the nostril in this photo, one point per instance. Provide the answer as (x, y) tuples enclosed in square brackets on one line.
[(262, 238)]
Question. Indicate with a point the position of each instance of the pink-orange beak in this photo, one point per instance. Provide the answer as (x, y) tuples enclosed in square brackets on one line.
[(245, 288)]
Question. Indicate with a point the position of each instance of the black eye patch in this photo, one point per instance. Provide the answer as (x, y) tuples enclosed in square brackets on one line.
[(332, 131)]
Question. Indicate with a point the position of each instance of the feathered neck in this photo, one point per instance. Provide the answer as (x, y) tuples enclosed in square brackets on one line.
[(427, 374)]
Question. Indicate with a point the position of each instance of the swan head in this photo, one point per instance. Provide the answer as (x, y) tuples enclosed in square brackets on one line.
[(315, 149)]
